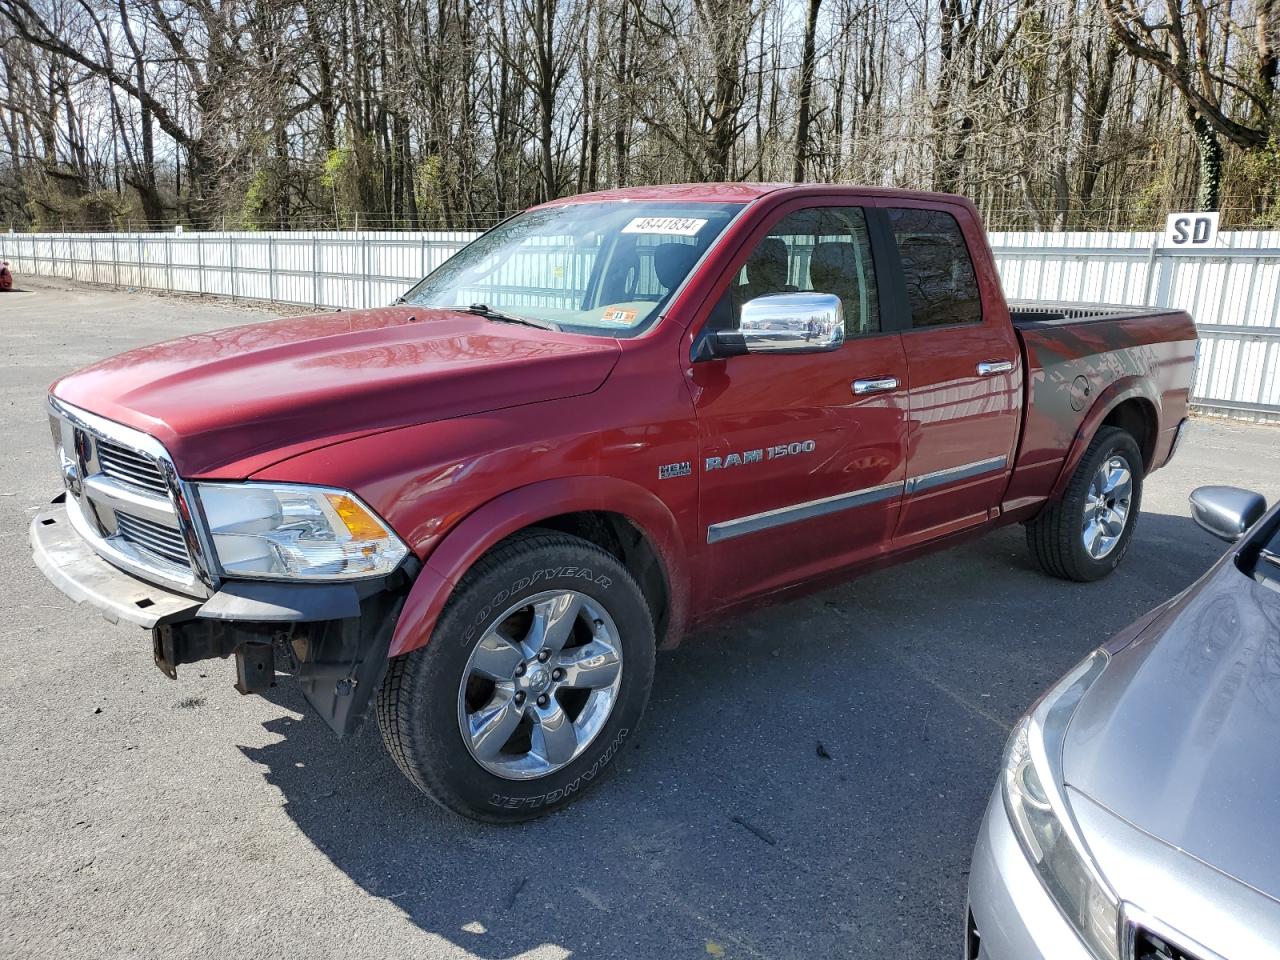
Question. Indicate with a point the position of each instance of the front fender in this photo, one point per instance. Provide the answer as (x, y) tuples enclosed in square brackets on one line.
[(523, 507), (1126, 388)]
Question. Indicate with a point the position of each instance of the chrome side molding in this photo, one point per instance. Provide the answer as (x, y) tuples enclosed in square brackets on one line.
[(756, 522), (741, 526), (965, 471)]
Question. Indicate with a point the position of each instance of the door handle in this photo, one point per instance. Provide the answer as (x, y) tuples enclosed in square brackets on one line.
[(862, 388), (989, 368)]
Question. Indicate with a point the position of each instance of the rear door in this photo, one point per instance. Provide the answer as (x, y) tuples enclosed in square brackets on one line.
[(964, 366), (800, 473)]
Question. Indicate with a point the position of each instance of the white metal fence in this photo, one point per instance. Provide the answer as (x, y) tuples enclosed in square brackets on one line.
[(1232, 291), (320, 268)]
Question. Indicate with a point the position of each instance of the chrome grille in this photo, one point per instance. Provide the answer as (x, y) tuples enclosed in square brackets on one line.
[(130, 467), (123, 499), (164, 542)]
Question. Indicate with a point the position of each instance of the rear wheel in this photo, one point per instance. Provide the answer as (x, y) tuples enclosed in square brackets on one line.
[(1085, 534), (537, 671)]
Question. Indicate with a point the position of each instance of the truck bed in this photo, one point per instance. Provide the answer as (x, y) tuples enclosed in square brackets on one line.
[(1079, 355)]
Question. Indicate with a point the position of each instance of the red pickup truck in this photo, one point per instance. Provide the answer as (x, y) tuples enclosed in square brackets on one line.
[(608, 420)]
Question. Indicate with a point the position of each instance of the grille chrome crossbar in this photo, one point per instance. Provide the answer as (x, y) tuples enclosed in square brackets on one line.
[(125, 498)]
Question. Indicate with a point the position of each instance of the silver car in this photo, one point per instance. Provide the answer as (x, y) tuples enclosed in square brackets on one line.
[(1138, 811)]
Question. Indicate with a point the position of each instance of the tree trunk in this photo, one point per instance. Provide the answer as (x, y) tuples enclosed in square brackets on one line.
[(1208, 194), (806, 92)]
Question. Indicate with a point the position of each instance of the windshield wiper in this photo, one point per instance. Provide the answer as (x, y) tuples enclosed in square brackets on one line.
[(486, 311)]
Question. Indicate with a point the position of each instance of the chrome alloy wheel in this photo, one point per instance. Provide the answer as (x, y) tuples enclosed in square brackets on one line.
[(540, 685), (1106, 508)]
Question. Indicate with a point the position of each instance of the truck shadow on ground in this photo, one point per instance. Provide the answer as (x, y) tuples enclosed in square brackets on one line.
[(809, 780)]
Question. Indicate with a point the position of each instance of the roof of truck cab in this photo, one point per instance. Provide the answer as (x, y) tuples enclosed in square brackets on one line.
[(746, 192)]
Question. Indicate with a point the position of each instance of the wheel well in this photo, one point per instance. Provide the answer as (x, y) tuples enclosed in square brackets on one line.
[(1137, 418), (622, 538)]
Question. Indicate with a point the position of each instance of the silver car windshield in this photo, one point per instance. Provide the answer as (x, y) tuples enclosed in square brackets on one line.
[(602, 268)]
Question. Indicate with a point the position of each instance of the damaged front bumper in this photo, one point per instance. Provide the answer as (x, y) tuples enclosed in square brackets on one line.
[(72, 566), (332, 637)]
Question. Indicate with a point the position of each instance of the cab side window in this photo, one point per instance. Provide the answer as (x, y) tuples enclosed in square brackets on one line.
[(942, 288), (819, 249)]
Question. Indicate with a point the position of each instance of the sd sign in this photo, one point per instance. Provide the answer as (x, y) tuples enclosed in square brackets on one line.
[(1191, 230)]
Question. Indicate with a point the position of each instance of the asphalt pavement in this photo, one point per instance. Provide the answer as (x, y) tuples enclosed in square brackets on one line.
[(808, 782)]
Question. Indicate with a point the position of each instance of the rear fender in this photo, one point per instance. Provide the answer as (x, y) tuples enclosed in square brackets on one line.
[(1126, 388), (445, 566)]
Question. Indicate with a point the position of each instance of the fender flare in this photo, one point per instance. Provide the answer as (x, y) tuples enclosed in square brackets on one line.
[(525, 506), (1126, 388)]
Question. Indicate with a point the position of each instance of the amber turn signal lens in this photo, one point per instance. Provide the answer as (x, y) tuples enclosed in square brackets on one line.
[(355, 517)]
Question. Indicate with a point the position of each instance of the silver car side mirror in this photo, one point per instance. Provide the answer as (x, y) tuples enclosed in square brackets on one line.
[(1226, 512), (791, 323)]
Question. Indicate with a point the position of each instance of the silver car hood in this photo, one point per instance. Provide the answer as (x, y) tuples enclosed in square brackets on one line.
[(1180, 736)]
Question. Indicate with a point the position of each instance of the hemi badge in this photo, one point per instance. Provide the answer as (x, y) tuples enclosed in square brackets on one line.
[(670, 470)]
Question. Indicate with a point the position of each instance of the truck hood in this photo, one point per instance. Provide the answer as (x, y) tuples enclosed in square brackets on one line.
[(1178, 735), (232, 402)]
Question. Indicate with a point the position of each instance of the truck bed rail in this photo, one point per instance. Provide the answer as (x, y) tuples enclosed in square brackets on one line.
[(1027, 312)]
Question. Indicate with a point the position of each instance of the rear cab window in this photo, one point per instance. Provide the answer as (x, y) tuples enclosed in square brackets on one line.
[(937, 270)]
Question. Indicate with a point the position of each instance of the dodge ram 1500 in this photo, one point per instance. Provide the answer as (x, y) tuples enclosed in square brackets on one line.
[(608, 420)]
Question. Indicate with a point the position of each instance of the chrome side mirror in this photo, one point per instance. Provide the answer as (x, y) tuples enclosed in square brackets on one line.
[(1226, 512), (792, 323), (786, 323)]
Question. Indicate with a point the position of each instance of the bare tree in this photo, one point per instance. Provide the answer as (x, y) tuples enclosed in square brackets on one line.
[(405, 113), (1187, 41), (805, 95)]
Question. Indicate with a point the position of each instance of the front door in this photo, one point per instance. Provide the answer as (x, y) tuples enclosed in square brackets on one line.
[(799, 473), (966, 377)]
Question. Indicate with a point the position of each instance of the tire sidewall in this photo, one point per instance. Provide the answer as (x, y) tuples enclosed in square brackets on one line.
[(1115, 443), (588, 571)]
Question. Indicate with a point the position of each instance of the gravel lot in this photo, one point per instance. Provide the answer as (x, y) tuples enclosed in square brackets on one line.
[(140, 816)]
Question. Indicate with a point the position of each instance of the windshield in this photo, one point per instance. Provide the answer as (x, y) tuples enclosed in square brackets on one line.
[(605, 268)]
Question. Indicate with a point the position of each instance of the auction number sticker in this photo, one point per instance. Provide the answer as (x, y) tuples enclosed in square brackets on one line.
[(666, 226)]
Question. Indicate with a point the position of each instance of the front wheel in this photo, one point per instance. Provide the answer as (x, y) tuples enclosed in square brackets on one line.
[(537, 672), (1084, 535)]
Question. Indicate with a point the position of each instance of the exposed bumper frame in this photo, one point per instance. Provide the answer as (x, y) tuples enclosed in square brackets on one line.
[(333, 637)]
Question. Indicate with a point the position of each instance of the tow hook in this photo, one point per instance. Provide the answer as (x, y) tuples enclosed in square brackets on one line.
[(255, 653)]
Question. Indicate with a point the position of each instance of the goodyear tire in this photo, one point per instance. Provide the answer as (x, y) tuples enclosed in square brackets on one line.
[(1084, 535), (536, 675)]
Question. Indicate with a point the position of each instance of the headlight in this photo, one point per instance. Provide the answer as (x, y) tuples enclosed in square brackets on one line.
[(288, 532), (1042, 820)]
